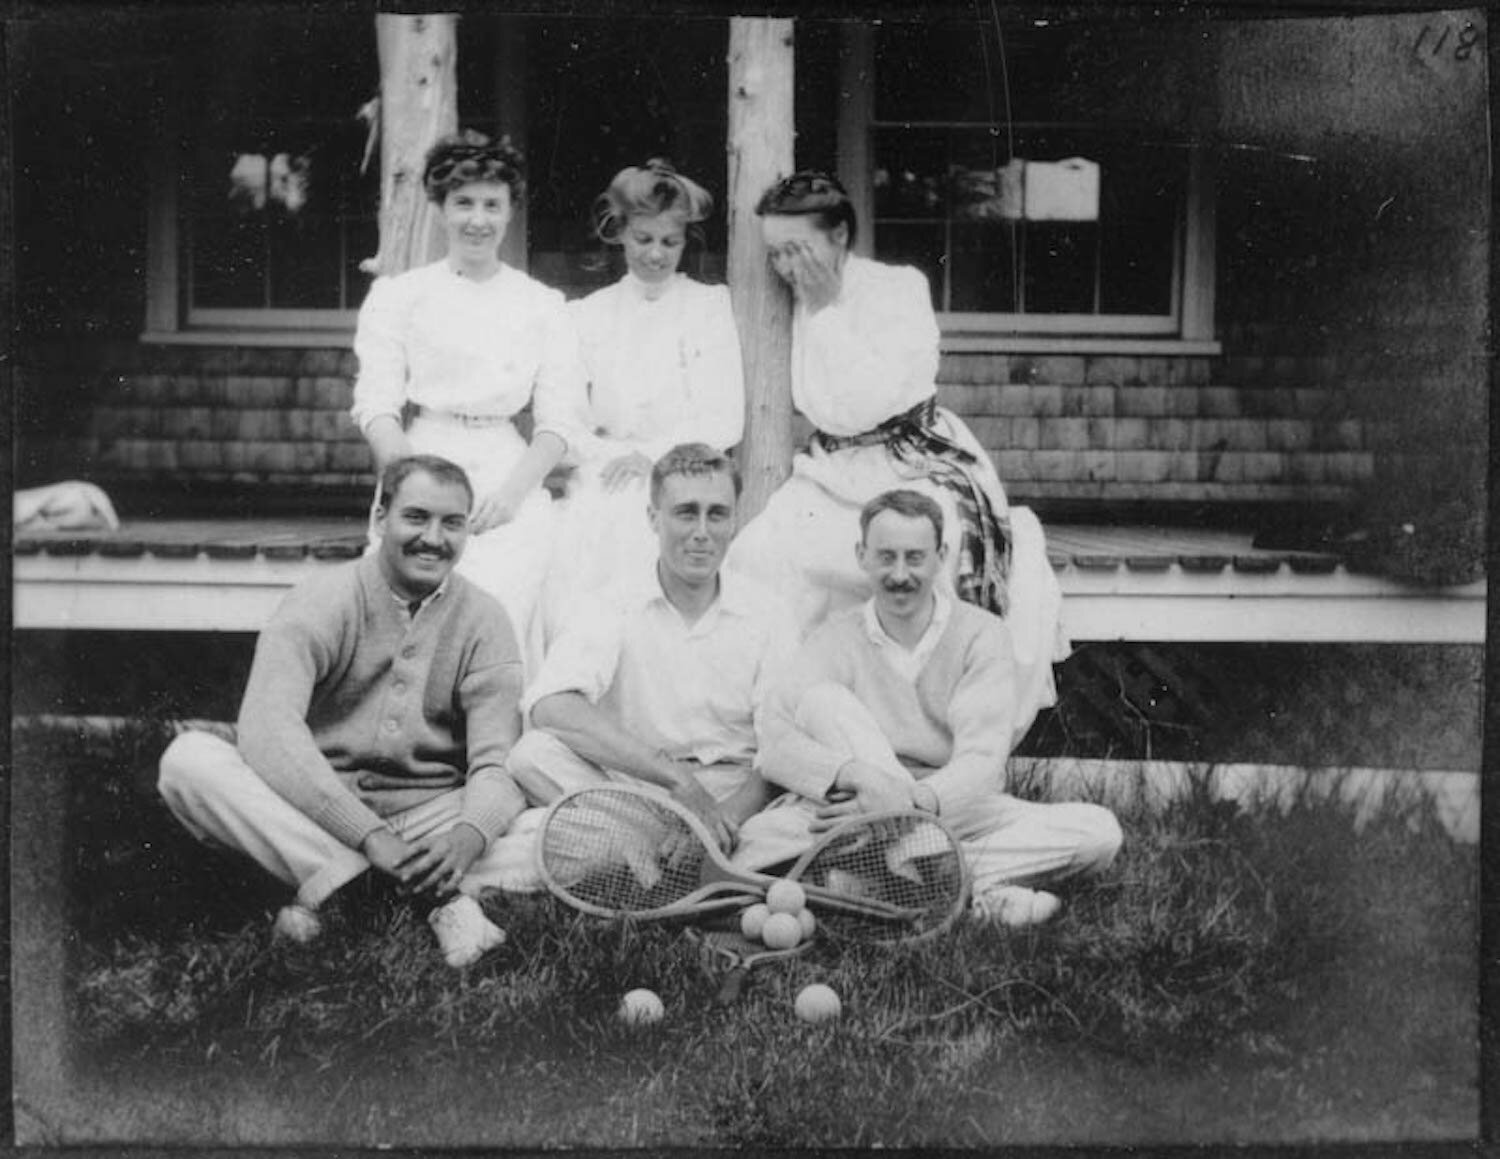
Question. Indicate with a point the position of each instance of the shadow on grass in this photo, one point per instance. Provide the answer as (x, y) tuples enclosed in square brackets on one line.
[(1224, 981)]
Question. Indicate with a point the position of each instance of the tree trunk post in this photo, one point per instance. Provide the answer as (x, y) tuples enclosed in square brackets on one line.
[(418, 105), (760, 152)]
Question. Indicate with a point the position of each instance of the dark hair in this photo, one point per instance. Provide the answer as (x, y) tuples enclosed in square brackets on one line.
[(911, 504), (811, 193), (649, 189), (397, 471), (469, 156), (691, 459)]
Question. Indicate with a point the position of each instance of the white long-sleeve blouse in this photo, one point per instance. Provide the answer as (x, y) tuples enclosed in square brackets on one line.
[(434, 338), (868, 355), (661, 371)]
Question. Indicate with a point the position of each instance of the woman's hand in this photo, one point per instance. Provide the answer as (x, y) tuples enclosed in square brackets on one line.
[(494, 510), (815, 282), (617, 473)]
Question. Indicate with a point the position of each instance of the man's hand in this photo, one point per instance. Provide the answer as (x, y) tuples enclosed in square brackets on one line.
[(438, 863), (618, 472), (692, 794), (864, 788), (388, 854)]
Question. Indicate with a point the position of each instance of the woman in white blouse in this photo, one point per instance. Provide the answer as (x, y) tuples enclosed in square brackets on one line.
[(450, 352), (864, 369), (663, 361)]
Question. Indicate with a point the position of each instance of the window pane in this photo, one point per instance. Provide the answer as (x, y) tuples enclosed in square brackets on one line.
[(229, 261), (921, 246), (1139, 199), (1060, 261), (984, 268), (910, 174)]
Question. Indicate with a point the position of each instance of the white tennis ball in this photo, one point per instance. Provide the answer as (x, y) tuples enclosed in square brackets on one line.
[(753, 920), (808, 923), (786, 897), (818, 1003), (781, 931), (641, 1008)]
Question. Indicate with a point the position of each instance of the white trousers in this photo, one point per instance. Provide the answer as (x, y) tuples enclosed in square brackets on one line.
[(545, 768), (1006, 841), (222, 801)]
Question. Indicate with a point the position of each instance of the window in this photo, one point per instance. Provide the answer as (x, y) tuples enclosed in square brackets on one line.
[(1021, 170), (280, 199)]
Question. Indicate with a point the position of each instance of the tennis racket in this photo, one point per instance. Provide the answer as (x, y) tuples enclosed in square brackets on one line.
[(731, 950), (908, 861), (623, 851)]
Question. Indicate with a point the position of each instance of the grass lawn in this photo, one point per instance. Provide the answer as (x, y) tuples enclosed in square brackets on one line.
[(1239, 975)]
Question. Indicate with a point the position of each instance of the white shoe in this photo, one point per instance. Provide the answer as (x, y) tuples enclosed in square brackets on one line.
[(464, 934), (1016, 906), (297, 923)]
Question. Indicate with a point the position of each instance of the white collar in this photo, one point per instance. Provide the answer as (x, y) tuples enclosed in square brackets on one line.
[(942, 611)]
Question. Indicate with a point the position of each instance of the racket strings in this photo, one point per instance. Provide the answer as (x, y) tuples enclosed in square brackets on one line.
[(621, 852), (908, 863)]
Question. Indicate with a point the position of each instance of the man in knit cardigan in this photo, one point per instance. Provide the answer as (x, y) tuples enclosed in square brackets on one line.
[(908, 702), (382, 703)]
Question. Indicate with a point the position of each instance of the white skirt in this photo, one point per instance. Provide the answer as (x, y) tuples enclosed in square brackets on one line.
[(601, 536)]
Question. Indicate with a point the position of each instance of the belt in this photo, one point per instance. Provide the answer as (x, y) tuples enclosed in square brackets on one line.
[(458, 417)]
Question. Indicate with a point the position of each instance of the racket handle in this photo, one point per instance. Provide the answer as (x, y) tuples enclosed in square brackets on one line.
[(733, 986)]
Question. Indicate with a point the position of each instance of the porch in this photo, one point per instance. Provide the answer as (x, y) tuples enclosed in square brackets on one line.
[(1132, 583)]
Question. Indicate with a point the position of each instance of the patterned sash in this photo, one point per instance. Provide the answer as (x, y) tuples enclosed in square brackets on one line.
[(984, 540)]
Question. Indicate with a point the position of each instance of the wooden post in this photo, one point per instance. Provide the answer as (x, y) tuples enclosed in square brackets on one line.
[(760, 152), (418, 104)]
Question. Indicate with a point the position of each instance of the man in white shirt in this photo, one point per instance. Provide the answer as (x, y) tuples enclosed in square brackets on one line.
[(908, 702), (660, 678)]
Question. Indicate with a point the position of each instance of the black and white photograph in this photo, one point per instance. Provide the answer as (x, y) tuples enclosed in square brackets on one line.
[(676, 576)]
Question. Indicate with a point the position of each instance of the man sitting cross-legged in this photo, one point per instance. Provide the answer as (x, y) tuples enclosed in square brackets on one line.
[(382, 702), (660, 678), (907, 702)]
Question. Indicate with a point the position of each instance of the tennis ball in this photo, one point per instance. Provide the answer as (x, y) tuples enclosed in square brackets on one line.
[(808, 923), (753, 920), (641, 1008), (817, 1003), (781, 931), (785, 897)]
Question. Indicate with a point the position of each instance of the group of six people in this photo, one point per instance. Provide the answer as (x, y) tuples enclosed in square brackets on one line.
[(881, 635)]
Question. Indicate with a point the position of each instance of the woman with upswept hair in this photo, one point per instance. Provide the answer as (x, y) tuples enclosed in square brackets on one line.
[(663, 361), (450, 352), (864, 370)]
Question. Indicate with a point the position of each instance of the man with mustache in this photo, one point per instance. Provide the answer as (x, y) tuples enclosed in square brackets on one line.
[(660, 678), (381, 705), (908, 702)]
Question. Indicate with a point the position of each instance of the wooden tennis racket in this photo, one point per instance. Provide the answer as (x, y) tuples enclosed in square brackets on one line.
[(907, 861), (623, 851)]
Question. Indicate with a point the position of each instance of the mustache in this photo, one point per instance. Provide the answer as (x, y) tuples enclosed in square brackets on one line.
[(419, 548), (901, 586)]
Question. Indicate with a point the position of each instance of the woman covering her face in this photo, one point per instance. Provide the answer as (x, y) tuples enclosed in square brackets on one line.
[(864, 366), (450, 352), (663, 361)]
